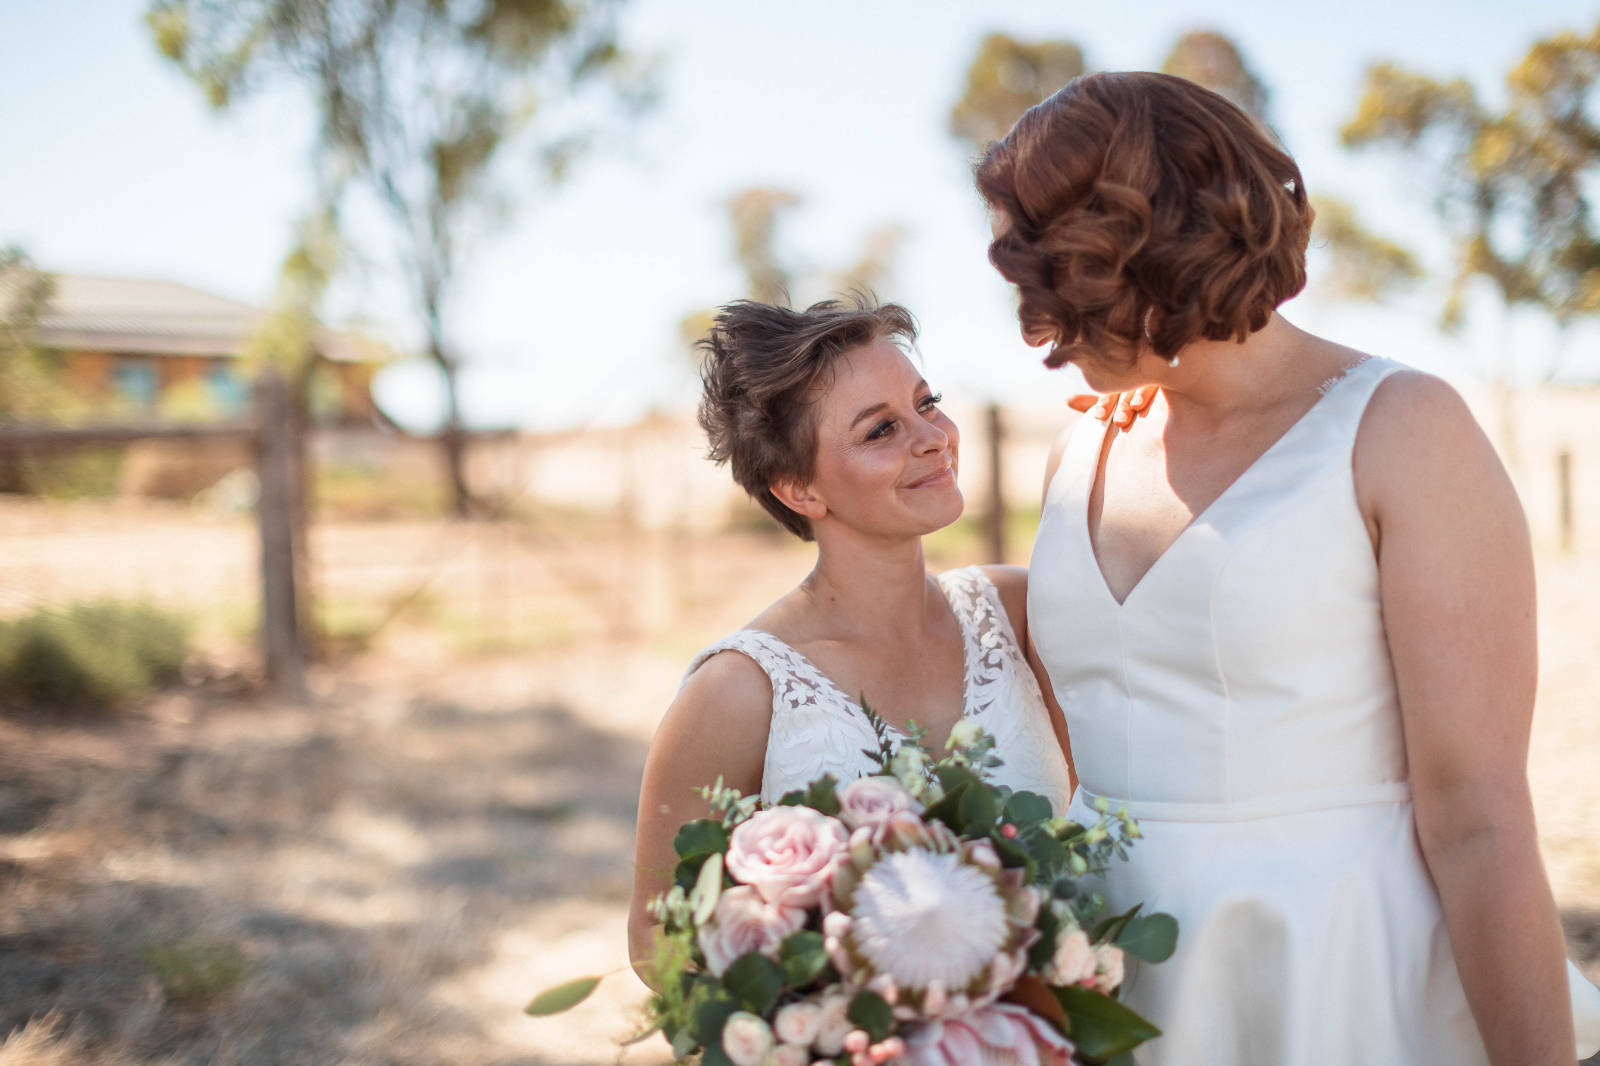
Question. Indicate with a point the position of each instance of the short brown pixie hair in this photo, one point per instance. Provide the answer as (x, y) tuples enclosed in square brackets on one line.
[(762, 366), (1143, 207)]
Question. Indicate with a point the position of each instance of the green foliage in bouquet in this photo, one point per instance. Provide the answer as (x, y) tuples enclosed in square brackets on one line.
[(794, 969)]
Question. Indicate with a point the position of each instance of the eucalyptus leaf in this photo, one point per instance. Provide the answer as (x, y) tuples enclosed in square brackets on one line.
[(823, 795), (1151, 937), (1024, 809), (562, 997), (978, 809), (700, 838), (803, 958), (1101, 1026), (709, 1008), (755, 981), (707, 889), (869, 1011)]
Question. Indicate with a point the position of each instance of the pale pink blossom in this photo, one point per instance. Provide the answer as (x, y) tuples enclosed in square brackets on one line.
[(746, 1039), (873, 802), (999, 1032), (1108, 967), (788, 1055), (798, 1023), (743, 922), (1074, 961), (833, 1023), (788, 854)]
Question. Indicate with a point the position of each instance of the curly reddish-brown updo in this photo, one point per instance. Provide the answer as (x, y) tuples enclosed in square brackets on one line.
[(1141, 207)]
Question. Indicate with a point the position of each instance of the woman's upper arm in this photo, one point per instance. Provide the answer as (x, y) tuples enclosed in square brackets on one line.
[(716, 727), (1012, 584), (1457, 587)]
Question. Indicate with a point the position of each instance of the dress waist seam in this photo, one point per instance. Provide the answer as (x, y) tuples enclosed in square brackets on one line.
[(1372, 794)]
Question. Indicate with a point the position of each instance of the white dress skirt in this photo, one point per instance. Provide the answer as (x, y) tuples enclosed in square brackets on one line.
[(1241, 702)]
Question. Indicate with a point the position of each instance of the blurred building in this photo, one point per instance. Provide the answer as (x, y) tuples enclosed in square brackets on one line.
[(153, 346)]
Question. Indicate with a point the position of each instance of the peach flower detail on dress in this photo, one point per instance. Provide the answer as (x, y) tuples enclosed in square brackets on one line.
[(788, 854), (743, 922), (998, 1033)]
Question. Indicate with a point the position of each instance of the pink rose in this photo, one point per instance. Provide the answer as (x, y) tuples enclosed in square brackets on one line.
[(874, 802), (788, 854), (1074, 961), (743, 922), (797, 1023), (1000, 1032), (1108, 967), (746, 1039)]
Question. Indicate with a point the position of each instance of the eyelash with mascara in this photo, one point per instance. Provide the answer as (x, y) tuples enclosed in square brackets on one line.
[(931, 400)]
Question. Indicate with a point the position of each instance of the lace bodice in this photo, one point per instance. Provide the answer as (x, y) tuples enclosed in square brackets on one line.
[(817, 729)]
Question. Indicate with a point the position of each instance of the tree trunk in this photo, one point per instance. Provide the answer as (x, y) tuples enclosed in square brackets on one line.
[(453, 439)]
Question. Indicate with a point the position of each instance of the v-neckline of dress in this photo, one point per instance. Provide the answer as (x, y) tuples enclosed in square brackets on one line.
[(1328, 389), (968, 668)]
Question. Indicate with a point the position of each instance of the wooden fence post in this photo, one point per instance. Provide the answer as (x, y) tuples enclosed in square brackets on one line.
[(276, 507), (1564, 488), (995, 520)]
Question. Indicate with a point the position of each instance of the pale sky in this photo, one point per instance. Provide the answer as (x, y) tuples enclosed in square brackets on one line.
[(113, 165)]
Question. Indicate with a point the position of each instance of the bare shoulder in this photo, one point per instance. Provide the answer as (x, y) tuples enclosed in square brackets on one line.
[(729, 683), (1419, 447), (1416, 422), (1011, 582)]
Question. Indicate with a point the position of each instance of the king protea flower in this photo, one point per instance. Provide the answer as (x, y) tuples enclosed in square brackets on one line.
[(932, 924)]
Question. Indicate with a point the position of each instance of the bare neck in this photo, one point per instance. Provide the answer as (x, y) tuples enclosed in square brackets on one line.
[(1219, 381), (863, 589)]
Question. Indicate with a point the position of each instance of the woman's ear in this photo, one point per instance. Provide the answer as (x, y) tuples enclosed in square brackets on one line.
[(800, 499)]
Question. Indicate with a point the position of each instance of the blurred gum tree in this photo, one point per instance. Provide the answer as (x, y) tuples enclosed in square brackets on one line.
[(1007, 76), (1511, 186), (431, 109)]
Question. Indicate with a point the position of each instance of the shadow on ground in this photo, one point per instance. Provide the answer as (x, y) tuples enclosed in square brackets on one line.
[(260, 886)]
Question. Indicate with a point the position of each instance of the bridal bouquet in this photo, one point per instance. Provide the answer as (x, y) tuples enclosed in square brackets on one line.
[(921, 916)]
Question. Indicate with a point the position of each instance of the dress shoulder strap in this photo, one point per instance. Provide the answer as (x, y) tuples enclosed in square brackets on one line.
[(795, 681), (1347, 395), (977, 604), (766, 650)]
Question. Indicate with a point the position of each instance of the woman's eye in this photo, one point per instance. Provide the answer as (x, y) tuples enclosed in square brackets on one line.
[(931, 401), (880, 430)]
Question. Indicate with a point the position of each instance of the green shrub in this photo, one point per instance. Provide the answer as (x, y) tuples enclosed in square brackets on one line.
[(196, 971), (92, 655)]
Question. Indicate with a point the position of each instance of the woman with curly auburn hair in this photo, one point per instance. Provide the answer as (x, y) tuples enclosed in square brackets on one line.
[(1253, 608)]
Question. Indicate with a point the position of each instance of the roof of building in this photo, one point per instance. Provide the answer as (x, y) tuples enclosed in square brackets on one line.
[(135, 315)]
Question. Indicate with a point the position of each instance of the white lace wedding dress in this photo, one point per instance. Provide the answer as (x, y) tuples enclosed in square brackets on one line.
[(817, 729)]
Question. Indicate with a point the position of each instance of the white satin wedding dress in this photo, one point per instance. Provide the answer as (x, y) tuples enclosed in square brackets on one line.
[(1242, 703), (817, 729)]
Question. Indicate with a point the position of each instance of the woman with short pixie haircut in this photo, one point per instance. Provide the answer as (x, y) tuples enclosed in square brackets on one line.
[(832, 429), (1289, 614)]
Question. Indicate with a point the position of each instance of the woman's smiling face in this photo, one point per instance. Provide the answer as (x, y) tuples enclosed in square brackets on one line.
[(887, 456)]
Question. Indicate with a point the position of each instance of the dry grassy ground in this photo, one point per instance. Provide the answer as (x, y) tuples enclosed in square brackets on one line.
[(386, 876)]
